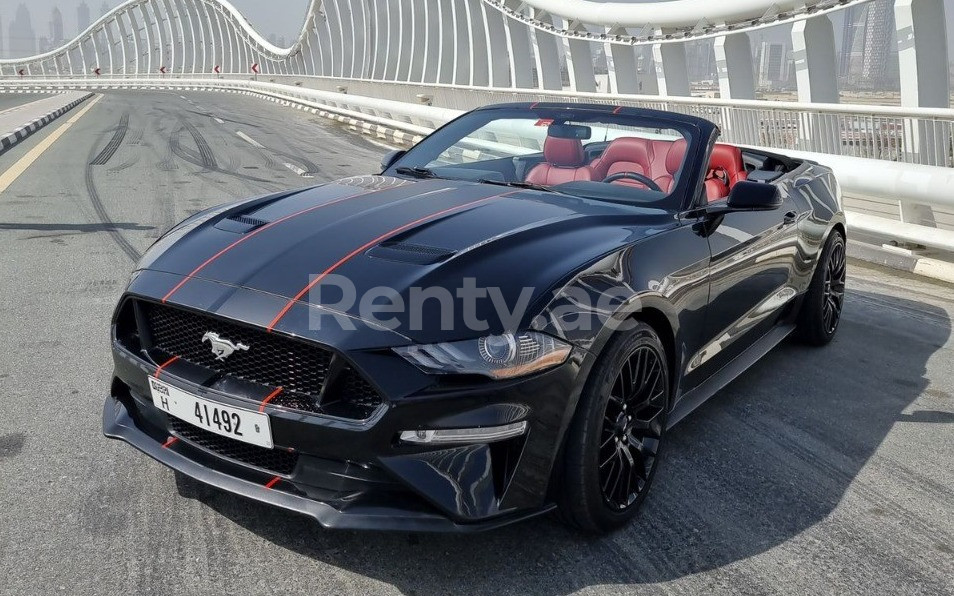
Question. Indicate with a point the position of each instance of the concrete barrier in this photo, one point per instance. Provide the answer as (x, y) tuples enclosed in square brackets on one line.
[(24, 129)]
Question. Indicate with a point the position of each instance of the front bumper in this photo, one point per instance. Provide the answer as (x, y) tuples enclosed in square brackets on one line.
[(118, 424), (355, 474)]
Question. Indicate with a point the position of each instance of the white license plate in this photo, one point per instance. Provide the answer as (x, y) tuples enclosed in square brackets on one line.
[(234, 423)]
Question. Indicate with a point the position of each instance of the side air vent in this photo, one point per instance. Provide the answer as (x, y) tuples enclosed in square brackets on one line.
[(415, 254), (240, 224)]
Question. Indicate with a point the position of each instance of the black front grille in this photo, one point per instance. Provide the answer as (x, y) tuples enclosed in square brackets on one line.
[(271, 460), (271, 360)]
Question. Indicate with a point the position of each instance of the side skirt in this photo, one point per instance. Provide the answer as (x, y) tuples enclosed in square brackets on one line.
[(695, 398)]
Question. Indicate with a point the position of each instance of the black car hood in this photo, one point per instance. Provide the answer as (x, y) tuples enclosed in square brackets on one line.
[(380, 232)]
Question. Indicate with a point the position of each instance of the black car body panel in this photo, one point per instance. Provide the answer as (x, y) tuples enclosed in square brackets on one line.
[(721, 291)]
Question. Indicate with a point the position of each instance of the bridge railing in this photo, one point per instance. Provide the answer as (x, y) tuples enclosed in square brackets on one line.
[(922, 136)]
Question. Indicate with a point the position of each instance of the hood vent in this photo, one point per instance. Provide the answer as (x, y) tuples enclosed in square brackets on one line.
[(404, 252), (240, 224)]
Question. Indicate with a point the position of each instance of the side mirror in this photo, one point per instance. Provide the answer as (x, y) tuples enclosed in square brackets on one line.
[(754, 196), (390, 157)]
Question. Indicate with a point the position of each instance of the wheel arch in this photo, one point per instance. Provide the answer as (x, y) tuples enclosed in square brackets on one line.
[(661, 324), (839, 227)]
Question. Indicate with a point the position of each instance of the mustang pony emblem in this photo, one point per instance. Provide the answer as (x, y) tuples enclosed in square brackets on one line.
[(221, 347)]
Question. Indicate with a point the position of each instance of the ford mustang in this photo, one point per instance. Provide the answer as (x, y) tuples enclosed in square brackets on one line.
[(505, 322)]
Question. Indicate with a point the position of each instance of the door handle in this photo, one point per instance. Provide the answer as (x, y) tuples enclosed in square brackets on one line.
[(790, 218)]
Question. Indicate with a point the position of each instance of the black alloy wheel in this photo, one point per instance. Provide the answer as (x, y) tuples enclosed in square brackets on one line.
[(632, 428), (834, 289), (611, 450), (823, 303)]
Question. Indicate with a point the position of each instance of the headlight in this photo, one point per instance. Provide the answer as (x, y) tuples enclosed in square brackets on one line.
[(496, 356)]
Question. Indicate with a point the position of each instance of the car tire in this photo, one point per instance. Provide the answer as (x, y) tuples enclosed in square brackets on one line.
[(601, 433), (821, 310)]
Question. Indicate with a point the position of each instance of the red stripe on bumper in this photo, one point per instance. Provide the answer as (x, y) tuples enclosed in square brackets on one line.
[(270, 397), (165, 364)]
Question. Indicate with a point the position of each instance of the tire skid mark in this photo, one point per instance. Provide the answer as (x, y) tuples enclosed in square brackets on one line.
[(205, 151), (195, 159), (110, 149), (309, 167), (101, 213), (124, 166), (164, 208)]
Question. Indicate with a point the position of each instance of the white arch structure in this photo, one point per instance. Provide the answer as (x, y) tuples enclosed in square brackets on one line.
[(515, 44)]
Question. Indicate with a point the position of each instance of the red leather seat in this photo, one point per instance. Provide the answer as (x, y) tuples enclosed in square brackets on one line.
[(565, 162), (625, 154), (658, 160), (673, 163), (726, 168)]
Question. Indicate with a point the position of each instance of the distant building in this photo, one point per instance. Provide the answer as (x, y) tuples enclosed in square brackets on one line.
[(82, 17), (56, 27), (700, 61), (3, 53), (868, 58), (22, 39), (773, 65)]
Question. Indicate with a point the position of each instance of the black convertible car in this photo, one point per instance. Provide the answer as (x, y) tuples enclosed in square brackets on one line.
[(505, 322)]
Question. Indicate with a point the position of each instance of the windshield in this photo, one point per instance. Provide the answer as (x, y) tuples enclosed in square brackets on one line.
[(593, 153)]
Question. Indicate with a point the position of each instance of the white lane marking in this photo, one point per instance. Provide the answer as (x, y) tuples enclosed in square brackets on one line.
[(219, 120), (8, 177), (298, 170), (182, 96), (249, 139)]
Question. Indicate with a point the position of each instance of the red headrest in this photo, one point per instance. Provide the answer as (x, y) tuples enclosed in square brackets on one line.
[(677, 152), (566, 153), (627, 149), (727, 157)]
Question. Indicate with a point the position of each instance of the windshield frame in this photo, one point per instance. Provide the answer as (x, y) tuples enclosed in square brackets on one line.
[(699, 135)]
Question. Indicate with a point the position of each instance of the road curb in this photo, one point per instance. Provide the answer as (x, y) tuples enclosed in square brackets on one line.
[(923, 266), (10, 139)]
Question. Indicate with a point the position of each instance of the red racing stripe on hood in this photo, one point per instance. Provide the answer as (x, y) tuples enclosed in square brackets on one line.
[(374, 242), (251, 235)]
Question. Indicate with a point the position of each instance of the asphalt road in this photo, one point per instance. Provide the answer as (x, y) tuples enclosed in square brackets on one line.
[(818, 471)]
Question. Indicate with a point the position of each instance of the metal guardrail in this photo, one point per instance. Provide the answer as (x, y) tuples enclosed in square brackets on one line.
[(908, 186), (922, 136)]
